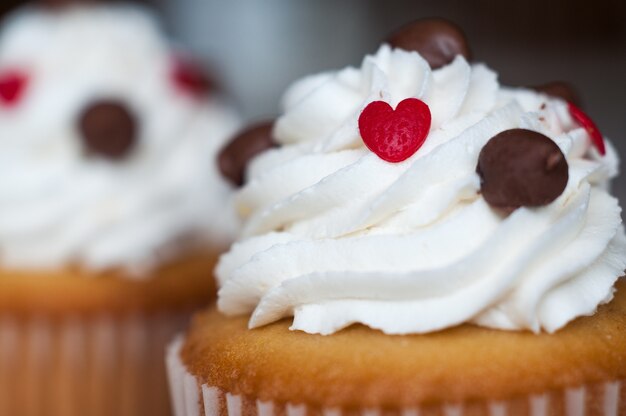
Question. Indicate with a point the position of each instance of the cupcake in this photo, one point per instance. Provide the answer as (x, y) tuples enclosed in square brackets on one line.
[(422, 240), (112, 209)]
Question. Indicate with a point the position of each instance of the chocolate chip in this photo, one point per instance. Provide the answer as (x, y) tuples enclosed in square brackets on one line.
[(521, 168), (437, 40), (561, 90), (235, 156), (108, 129)]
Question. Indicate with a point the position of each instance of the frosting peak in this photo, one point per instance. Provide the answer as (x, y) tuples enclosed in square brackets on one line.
[(334, 235)]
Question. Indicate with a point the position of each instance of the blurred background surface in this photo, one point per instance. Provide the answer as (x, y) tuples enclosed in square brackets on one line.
[(257, 48)]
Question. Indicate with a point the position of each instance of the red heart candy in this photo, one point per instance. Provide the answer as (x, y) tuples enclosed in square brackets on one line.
[(12, 85), (189, 77), (395, 135), (587, 123)]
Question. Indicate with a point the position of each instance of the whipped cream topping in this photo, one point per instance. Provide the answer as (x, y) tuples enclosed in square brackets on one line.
[(58, 205), (334, 235)]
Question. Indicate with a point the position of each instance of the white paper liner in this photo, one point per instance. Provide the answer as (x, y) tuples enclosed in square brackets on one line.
[(86, 365), (192, 398)]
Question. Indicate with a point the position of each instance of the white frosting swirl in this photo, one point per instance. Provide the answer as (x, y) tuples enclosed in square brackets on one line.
[(334, 235), (58, 205)]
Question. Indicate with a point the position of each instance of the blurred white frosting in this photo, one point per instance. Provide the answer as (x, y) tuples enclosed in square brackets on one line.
[(58, 205)]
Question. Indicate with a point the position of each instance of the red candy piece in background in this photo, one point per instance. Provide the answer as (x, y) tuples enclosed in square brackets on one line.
[(12, 86), (395, 135), (189, 77), (587, 123)]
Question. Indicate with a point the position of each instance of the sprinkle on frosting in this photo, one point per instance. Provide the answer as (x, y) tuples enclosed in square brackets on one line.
[(588, 124), (12, 86), (395, 135), (189, 76)]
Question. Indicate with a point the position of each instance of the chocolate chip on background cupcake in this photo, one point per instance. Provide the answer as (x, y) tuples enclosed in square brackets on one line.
[(422, 240), (113, 211)]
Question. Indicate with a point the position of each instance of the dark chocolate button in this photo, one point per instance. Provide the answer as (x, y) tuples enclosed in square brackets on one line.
[(561, 90), (521, 168), (235, 156), (108, 129), (437, 40)]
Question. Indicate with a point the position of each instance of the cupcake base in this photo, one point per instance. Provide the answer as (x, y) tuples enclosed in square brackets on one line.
[(100, 365), (191, 397), (222, 367), (73, 343)]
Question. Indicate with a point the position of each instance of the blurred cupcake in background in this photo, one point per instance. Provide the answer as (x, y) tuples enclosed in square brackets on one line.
[(112, 210)]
